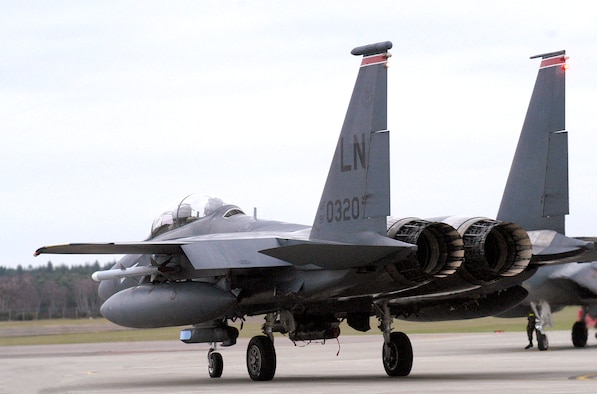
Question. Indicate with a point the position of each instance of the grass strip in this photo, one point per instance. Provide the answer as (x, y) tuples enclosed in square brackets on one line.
[(100, 330)]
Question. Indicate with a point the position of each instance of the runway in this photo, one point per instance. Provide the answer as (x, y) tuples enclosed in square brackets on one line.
[(485, 362)]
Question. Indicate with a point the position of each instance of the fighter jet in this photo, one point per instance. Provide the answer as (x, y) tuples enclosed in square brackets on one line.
[(537, 197), (207, 263)]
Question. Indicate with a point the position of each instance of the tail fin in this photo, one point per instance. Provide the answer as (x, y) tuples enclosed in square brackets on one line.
[(536, 194), (356, 197)]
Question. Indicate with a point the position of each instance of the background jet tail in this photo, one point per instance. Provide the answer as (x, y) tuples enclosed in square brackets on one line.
[(536, 193), (356, 197)]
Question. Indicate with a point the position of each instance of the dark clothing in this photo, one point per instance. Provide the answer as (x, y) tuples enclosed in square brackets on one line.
[(531, 327)]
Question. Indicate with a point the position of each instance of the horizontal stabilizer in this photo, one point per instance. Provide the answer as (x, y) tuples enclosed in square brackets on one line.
[(164, 247), (550, 247), (579, 274), (338, 256), (587, 239)]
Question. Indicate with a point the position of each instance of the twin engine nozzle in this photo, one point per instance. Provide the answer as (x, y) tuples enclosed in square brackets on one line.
[(479, 249)]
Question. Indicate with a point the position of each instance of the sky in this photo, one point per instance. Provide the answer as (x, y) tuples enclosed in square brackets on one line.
[(111, 110)]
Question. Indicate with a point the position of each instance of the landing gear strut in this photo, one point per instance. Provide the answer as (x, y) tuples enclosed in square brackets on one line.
[(397, 351)]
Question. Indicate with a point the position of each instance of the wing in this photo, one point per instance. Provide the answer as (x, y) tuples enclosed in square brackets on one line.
[(165, 247), (222, 252)]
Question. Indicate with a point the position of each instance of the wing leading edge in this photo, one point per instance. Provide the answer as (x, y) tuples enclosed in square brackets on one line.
[(164, 247)]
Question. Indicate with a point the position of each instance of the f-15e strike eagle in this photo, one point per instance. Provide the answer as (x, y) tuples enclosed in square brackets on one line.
[(207, 263), (536, 197)]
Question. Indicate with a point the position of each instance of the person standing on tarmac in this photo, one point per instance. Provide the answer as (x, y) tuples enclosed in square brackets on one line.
[(531, 329)]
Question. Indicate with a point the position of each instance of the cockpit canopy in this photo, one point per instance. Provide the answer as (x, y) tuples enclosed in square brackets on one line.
[(189, 209)]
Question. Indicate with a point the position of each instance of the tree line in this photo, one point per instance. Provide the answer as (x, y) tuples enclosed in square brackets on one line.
[(49, 292)]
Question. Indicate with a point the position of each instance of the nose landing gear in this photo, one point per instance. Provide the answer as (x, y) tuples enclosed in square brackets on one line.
[(215, 363)]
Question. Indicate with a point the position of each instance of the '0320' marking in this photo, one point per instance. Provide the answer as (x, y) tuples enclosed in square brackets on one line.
[(342, 210)]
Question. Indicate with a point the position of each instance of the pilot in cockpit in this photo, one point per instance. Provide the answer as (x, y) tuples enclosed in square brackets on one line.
[(212, 204), (183, 213)]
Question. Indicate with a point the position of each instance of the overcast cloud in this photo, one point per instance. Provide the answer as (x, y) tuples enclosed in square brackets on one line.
[(111, 110)]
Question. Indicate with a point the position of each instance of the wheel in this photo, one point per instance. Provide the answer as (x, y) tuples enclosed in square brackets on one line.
[(397, 355), (261, 358), (542, 342), (216, 365), (580, 334)]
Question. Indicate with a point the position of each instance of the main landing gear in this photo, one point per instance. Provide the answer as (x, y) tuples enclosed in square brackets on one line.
[(261, 354), (542, 318), (397, 355), (397, 352), (261, 358), (542, 342)]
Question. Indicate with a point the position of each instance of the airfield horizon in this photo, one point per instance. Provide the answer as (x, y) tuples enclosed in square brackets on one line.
[(65, 331)]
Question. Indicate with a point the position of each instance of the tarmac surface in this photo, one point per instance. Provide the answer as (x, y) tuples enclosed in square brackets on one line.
[(479, 362)]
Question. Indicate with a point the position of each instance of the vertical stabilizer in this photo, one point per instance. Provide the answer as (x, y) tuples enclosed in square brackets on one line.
[(356, 197), (536, 194)]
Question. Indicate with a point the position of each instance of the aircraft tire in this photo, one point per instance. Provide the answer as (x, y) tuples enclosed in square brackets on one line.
[(542, 341), (397, 356), (580, 334), (261, 358), (216, 365)]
